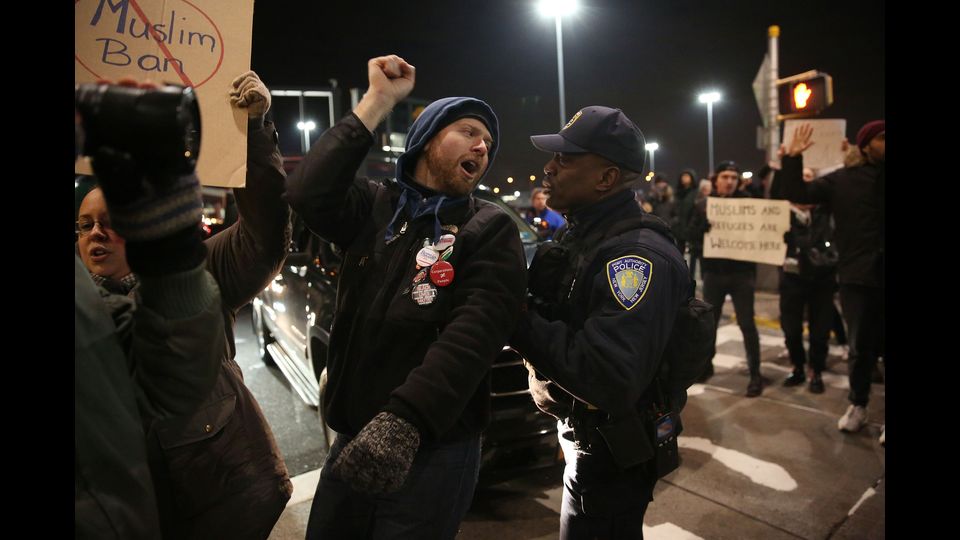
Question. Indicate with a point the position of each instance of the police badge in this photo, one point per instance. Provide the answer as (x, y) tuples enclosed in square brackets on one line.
[(628, 278)]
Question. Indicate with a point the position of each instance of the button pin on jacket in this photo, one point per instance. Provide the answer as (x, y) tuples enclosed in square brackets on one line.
[(426, 257), (441, 274), (424, 294), (444, 242)]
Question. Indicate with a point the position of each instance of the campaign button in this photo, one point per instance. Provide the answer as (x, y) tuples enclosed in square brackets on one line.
[(444, 242), (441, 274), (426, 257), (424, 294)]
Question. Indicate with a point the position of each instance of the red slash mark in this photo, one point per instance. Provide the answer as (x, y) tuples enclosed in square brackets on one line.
[(156, 37)]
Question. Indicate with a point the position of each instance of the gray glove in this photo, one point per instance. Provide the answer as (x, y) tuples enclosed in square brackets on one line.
[(250, 93), (378, 459)]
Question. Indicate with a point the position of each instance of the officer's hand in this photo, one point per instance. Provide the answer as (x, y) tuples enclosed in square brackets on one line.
[(251, 94), (378, 460)]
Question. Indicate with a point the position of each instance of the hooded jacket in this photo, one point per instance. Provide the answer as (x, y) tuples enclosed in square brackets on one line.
[(426, 361)]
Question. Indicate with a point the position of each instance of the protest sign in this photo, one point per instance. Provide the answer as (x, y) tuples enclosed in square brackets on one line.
[(828, 134), (204, 44), (746, 229)]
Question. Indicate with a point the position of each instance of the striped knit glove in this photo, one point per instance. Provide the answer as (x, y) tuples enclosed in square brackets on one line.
[(378, 459), (158, 216)]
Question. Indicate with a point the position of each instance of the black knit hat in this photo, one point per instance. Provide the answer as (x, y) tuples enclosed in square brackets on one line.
[(727, 166)]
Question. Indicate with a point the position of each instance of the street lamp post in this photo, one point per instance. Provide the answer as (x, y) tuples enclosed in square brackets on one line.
[(306, 127), (652, 147), (710, 98), (557, 9)]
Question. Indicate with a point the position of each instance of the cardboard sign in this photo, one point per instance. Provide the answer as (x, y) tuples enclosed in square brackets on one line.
[(747, 229), (200, 43), (828, 135)]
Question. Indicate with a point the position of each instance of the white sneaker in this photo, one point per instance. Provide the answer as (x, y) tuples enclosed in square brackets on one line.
[(853, 419), (883, 432)]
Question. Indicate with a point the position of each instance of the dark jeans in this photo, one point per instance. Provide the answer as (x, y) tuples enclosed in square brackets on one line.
[(600, 500), (695, 256), (863, 309), (796, 294), (740, 286), (430, 505), (838, 330)]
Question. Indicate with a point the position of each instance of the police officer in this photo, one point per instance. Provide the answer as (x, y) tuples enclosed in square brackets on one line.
[(602, 301)]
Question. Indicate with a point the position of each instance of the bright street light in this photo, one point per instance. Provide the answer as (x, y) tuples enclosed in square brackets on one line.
[(557, 9), (710, 98), (652, 147), (306, 128)]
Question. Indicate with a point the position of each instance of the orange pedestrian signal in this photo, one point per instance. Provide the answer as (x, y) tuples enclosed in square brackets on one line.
[(801, 93), (806, 94)]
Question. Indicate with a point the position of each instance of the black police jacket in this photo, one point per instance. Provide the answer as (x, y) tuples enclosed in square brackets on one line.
[(428, 364), (601, 339)]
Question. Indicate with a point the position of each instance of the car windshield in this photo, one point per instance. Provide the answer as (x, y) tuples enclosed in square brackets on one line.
[(528, 235)]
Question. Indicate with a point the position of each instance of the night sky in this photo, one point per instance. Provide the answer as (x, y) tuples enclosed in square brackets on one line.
[(650, 59)]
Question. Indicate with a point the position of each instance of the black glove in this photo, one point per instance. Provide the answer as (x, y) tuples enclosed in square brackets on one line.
[(378, 459), (157, 215)]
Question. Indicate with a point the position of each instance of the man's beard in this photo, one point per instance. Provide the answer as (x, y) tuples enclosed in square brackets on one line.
[(448, 175)]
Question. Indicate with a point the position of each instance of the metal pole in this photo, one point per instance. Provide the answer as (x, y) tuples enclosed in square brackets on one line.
[(710, 133), (563, 107), (653, 166), (773, 107), (306, 147)]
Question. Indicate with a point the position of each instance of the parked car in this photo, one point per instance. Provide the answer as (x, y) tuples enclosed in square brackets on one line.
[(292, 318)]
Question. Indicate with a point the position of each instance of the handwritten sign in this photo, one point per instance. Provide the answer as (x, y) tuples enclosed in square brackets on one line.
[(200, 43), (747, 229), (828, 134)]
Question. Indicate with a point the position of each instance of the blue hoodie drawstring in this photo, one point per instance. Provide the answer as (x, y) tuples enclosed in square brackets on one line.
[(417, 206)]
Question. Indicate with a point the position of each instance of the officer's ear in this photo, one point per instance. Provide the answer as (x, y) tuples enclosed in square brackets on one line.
[(609, 178)]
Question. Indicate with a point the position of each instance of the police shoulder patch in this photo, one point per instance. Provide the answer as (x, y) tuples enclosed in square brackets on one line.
[(629, 278)]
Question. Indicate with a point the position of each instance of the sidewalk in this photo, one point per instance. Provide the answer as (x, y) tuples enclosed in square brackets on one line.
[(772, 467)]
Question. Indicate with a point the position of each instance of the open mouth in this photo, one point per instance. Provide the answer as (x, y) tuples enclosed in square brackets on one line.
[(470, 166)]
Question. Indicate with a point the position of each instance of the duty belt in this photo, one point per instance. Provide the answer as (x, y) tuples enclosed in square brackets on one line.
[(584, 419)]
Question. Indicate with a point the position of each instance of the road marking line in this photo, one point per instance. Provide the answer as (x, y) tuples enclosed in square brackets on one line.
[(758, 471), (870, 492), (668, 531), (553, 498), (304, 486)]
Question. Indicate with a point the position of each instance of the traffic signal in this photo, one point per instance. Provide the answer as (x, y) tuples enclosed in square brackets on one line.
[(807, 94)]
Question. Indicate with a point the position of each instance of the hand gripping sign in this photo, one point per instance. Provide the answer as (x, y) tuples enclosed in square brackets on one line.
[(204, 44)]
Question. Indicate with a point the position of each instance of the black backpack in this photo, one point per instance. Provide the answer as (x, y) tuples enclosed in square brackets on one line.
[(689, 349)]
